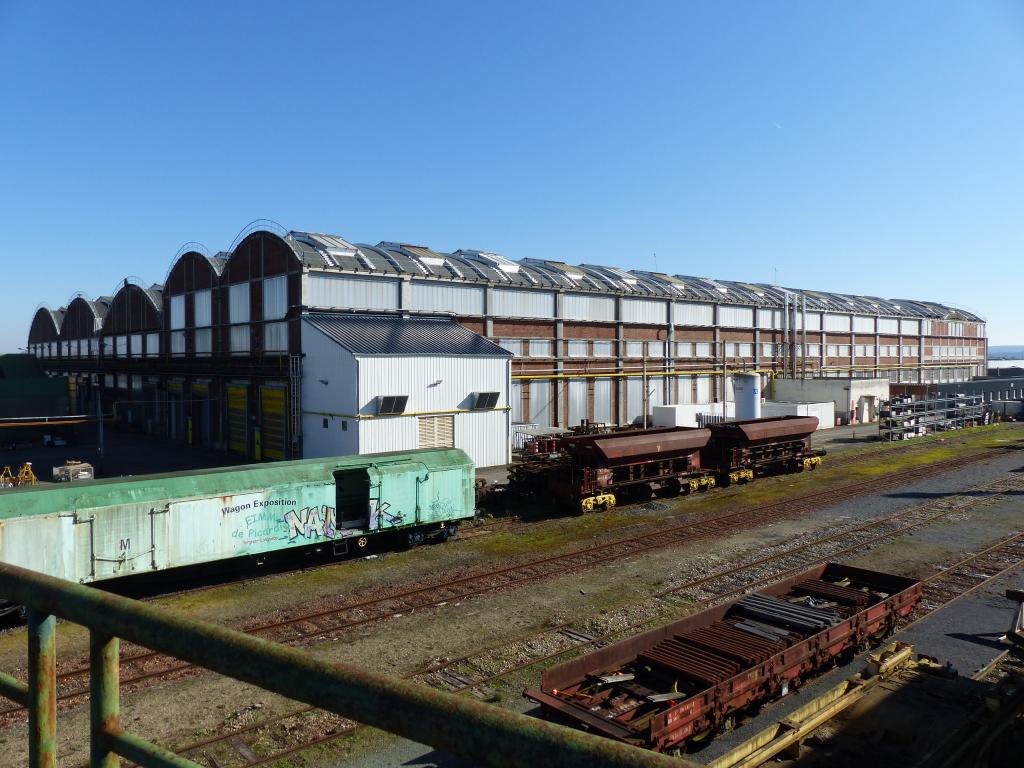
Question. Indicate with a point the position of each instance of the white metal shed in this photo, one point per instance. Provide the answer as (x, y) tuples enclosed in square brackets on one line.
[(374, 383)]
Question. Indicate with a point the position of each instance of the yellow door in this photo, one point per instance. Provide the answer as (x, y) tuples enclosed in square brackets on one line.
[(273, 427), (238, 418)]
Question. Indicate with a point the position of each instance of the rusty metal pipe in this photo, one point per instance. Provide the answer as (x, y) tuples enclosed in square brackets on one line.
[(485, 734), (13, 689), (141, 752), (104, 698), (42, 689)]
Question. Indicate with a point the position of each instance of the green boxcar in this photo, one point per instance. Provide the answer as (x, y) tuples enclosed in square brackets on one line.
[(104, 529)]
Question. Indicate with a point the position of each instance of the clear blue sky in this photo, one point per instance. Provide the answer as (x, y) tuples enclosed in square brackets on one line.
[(869, 147)]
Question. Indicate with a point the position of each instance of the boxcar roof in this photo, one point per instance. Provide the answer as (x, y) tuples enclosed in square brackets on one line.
[(87, 494)]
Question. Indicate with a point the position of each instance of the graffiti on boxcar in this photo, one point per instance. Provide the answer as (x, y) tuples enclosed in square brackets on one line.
[(311, 523), (442, 508), (381, 514)]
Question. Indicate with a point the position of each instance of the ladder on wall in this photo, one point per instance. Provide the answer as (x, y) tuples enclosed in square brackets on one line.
[(295, 403)]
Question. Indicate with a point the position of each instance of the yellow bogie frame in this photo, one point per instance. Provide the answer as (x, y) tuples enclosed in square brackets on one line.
[(601, 501), (811, 462), (741, 475)]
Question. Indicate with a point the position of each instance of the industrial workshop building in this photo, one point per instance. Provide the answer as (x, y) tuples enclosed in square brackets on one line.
[(230, 350)]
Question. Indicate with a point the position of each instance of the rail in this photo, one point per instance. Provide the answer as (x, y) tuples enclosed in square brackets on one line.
[(482, 733)]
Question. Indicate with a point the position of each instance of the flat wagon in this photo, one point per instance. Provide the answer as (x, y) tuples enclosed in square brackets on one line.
[(675, 686), (97, 530)]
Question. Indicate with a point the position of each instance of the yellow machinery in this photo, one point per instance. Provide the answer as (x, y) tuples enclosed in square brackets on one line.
[(25, 476)]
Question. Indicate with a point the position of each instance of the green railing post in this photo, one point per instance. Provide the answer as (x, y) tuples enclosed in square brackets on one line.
[(104, 698), (42, 690)]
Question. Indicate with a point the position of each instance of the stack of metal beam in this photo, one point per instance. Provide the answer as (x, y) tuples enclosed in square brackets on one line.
[(780, 613)]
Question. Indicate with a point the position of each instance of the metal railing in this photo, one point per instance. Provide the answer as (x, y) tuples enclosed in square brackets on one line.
[(482, 733)]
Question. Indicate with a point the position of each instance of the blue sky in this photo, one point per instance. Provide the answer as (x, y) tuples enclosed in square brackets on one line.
[(868, 147)]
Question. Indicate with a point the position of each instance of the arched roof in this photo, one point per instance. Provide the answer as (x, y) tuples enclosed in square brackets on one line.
[(193, 271), (46, 325), (84, 317), (135, 308), (262, 251)]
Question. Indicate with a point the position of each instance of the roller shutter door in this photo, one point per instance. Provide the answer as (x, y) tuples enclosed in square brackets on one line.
[(238, 419), (274, 435), (436, 431)]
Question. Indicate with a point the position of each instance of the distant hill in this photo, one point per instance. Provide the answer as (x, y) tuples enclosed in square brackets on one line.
[(1006, 352)]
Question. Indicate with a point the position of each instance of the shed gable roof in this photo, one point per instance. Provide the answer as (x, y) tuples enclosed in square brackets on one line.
[(398, 335)]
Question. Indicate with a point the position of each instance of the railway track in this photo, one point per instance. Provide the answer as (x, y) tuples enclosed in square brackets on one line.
[(475, 672), (141, 666)]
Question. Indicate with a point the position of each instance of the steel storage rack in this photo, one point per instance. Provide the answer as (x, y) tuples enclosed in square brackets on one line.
[(905, 417)]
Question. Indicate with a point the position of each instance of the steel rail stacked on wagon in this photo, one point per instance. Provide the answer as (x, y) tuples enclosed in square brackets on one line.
[(431, 595), (584, 640)]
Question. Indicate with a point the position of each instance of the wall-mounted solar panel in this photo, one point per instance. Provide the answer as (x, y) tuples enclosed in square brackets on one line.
[(391, 405)]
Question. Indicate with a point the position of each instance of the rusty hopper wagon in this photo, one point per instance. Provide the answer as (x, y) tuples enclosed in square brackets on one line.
[(591, 471), (740, 450), (97, 530), (674, 687), (596, 471)]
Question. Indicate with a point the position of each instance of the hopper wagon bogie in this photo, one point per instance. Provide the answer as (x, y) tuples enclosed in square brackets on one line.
[(672, 688), (97, 530)]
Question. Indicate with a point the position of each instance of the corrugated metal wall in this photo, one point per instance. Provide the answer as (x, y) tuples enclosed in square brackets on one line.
[(649, 311), (580, 306), (346, 292), (446, 297), (863, 324), (837, 323), (888, 325), (910, 327), (540, 402), (603, 401), (689, 313), (577, 401), (509, 302), (736, 317)]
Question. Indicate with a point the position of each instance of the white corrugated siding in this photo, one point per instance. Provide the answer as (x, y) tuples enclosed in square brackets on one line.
[(432, 383), (837, 323), (577, 401), (888, 325), (655, 391), (177, 312), (813, 321), (509, 302), (516, 400), (863, 324), (203, 308), (634, 398), (540, 402), (690, 313), (275, 297), (735, 317), (275, 337), (603, 401), (703, 389), (644, 311), (238, 303), (910, 327), (582, 306), (427, 296), (348, 292), (769, 318), (685, 389)]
